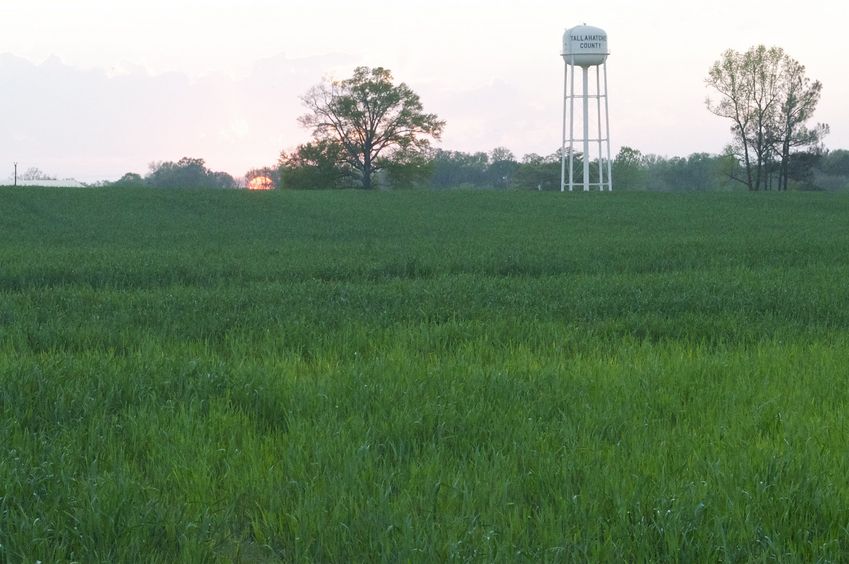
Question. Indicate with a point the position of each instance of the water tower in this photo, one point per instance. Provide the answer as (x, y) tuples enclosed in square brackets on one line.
[(586, 46)]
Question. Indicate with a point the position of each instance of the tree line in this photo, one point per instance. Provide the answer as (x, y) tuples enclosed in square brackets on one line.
[(188, 172), (500, 169), (632, 170)]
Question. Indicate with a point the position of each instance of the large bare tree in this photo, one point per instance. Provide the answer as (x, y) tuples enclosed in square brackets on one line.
[(375, 122)]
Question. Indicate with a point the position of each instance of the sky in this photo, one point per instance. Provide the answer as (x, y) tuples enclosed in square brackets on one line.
[(92, 89)]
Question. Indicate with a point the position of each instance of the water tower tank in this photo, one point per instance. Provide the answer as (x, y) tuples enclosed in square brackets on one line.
[(585, 46)]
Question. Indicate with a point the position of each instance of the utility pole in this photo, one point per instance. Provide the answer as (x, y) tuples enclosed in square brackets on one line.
[(16, 175)]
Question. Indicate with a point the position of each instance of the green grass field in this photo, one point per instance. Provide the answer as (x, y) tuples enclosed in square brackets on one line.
[(423, 377)]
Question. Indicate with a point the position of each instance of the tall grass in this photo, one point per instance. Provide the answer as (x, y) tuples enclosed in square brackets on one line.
[(222, 376)]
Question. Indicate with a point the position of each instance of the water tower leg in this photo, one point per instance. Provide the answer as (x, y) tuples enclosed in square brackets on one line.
[(572, 126), (563, 145), (586, 74), (607, 133), (598, 108)]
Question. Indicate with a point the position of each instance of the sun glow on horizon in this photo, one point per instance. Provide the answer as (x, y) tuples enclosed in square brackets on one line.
[(260, 183)]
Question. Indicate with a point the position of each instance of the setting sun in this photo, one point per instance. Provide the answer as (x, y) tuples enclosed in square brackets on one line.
[(260, 183)]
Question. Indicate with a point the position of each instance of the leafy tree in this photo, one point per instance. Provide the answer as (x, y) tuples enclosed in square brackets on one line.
[(768, 98), (799, 99), (832, 170), (747, 90), (501, 154), (502, 167), (222, 180), (187, 173), (540, 173), (315, 165), (801, 167), (374, 121), (452, 169), (409, 170), (129, 180), (836, 162), (628, 170)]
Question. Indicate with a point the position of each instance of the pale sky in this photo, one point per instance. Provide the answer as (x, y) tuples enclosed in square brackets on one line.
[(92, 88)]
